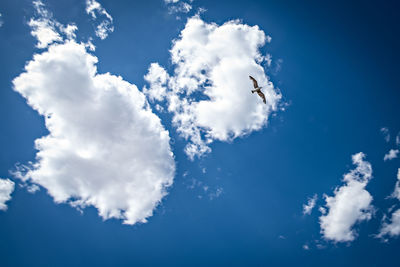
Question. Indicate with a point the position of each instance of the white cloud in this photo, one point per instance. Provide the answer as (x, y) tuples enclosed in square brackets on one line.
[(392, 228), (181, 7), (396, 192), (214, 62), (157, 77), (105, 147), (386, 134), (33, 188), (95, 10), (398, 139), (392, 154), (1, 21), (47, 30), (350, 204), (176, 6), (6, 188), (307, 208)]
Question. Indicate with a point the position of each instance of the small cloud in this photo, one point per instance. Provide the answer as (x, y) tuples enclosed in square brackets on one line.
[(391, 228), (268, 59), (33, 188), (392, 154), (46, 29), (215, 194), (1, 21), (396, 192), (307, 208), (6, 188), (350, 204), (277, 67), (306, 247), (181, 7), (200, 11), (89, 45), (194, 182), (95, 10), (386, 134)]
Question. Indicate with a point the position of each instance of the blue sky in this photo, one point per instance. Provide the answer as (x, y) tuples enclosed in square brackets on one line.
[(112, 181)]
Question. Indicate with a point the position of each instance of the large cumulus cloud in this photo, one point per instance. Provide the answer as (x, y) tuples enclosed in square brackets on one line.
[(209, 91), (105, 147)]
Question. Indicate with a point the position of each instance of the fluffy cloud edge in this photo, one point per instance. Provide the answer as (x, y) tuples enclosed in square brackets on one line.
[(307, 208), (105, 148), (6, 188), (213, 62), (350, 204)]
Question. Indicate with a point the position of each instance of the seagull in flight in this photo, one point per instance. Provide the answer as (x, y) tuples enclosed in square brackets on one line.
[(257, 89)]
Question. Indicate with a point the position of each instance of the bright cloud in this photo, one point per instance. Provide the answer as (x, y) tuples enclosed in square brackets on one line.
[(157, 77), (307, 208), (6, 188), (396, 192), (1, 21), (47, 30), (95, 10), (392, 154), (350, 204), (105, 147), (209, 93), (392, 228)]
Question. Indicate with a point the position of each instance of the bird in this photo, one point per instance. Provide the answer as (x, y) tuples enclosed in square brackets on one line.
[(258, 89)]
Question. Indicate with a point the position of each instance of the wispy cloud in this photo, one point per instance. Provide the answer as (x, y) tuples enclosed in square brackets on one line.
[(386, 134), (396, 192), (96, 11), (46, 29), (307, 208), (176, 6), (181, 7), (392, 154), (391, 227)]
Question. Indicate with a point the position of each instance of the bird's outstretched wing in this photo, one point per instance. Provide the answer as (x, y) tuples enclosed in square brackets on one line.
[(254, 82), (261, 94)]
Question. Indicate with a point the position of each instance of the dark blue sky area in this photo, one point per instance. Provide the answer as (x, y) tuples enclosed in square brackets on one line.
[(339, 76)]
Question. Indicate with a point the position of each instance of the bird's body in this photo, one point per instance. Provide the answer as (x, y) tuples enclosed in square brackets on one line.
[(257, 89)]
